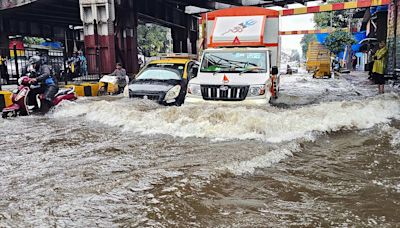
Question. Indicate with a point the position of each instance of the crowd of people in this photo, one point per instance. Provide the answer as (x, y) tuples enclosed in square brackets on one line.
[(77, 66)]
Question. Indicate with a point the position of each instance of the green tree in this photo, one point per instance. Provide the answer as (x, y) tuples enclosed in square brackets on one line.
[(295, 56), (152, 39), (338, 40), (33, 40), (305, 41), (339, 18)]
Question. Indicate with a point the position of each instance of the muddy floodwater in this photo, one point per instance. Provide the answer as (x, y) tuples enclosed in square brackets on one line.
[(326, 153)]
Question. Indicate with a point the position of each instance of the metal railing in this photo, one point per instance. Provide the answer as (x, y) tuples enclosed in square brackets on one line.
[(15, 62)]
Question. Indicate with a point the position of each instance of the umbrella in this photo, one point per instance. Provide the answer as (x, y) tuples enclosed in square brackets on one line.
[(368, 40)]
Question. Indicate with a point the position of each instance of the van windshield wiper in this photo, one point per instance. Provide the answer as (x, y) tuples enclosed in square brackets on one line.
[(262, 70), (222, 70)]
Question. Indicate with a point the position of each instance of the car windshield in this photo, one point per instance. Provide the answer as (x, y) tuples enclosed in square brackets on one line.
[(174, 66), (233, 62), (158, 73)]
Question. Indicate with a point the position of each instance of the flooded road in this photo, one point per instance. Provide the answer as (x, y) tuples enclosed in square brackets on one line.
[(327, 153)]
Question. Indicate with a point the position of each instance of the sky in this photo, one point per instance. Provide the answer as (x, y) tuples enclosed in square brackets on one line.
[(291, 23), (294, 23)]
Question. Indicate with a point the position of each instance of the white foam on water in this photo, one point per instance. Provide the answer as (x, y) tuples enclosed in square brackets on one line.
[(263, 161), (229, 123), (395, 142), (393, 133)]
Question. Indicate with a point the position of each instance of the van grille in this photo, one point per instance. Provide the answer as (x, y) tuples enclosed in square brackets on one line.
[(224, 92)]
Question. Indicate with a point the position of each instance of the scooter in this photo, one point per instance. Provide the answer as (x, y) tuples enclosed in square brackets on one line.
[(20, 106), (112, 84)]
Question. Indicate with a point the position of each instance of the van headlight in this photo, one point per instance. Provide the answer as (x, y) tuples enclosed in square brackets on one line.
[(172, 93), (256, 90), (194, 89)]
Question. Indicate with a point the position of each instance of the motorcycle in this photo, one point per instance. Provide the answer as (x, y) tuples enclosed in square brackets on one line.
[(21, 106), (112, 84)]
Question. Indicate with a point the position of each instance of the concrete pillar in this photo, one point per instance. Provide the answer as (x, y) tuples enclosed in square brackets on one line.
[(98, 20), (131, 46), (179, 37), (3, 34), (393, 40), (397, 36), (185, 39), (127, 22)]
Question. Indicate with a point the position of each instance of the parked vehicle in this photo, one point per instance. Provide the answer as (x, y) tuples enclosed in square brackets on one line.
[(318, 60), (289, 70), (164, 81), (21, 105)]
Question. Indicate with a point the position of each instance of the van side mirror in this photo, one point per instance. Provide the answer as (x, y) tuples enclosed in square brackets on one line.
[(274, 70)]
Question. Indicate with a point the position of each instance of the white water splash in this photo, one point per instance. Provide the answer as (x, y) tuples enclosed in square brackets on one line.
[(263, 161), (228, 123)]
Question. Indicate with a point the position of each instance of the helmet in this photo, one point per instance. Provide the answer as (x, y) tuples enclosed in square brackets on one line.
[(35, 60)]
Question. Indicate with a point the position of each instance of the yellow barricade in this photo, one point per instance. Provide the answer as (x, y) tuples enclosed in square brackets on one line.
[(5, 99), (85, 89), (90, 88)]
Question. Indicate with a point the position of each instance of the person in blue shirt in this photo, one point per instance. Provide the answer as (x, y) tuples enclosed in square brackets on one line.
[(43, 74), (83, 64)]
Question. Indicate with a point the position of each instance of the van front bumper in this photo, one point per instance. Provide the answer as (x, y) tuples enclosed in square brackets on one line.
[(262, 100)]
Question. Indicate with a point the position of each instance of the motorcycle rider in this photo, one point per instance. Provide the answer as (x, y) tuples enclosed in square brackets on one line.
[(43, 74), (121, 75)]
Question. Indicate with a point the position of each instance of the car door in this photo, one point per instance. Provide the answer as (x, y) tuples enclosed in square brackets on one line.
[(191, 72)]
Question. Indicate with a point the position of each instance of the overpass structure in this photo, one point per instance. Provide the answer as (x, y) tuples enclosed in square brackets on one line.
[(110, 26)]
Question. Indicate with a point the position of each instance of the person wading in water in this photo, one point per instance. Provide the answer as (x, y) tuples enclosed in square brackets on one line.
[(378, 70)]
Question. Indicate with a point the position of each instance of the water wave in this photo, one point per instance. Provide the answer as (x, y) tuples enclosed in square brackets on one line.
[(229, 123)]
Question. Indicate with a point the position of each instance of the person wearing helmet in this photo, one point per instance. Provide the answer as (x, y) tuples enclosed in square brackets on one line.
[(43, 75)]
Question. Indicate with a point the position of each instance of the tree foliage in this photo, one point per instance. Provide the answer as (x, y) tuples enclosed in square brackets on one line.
[(33, 40), (152, 39), (305, 41), (295, 56), (339, 18), (338, 40)]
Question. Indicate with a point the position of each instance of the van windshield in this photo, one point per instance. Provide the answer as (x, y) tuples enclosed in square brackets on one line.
[(234, 62)]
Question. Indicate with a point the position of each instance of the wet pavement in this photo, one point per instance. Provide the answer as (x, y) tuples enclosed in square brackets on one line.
[(326, 153)]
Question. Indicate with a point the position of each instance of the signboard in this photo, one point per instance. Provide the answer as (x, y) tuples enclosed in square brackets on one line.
[(234, 31)]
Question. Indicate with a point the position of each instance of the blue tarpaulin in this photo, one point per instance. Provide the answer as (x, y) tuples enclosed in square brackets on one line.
[(358, 36), (56, 45), (378, 9), (321, 37)]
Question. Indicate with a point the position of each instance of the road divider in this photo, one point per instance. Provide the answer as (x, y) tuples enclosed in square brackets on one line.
[(85, 89)]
